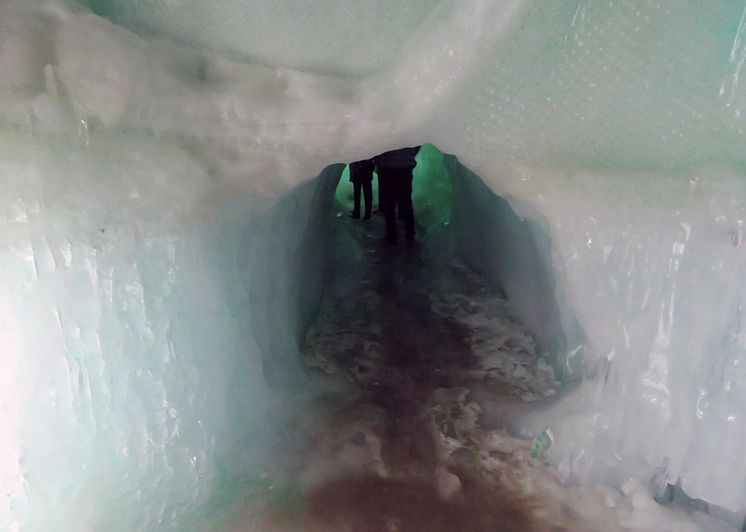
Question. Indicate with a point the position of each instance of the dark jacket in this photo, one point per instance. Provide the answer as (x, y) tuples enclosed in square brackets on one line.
[(361, 170), (401, 159)]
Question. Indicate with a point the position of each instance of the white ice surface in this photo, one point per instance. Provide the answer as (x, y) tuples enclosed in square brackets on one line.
[(144, 179)]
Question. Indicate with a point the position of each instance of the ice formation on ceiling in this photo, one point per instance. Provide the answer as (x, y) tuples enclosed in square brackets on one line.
[(155, 183)]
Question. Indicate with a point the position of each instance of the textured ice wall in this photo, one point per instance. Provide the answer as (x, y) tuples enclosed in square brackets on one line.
[(124, 345), (619, 123), (513, 253), (274, 33), (134, 325), (655, 278), (288, 267), (135, 391)]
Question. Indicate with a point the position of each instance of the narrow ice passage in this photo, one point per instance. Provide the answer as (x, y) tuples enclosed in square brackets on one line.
[(408, 349), (396, 336)]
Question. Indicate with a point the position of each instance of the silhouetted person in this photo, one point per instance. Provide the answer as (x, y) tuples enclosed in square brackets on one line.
[(395, 179), (361, 176)]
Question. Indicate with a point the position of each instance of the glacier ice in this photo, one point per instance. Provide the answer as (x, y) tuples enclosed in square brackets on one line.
[(162, 247)]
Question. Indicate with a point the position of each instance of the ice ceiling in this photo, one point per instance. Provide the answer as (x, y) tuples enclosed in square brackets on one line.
[(157, 193)]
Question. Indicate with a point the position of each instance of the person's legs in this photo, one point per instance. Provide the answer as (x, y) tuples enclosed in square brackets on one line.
[(368, 196), (400, 207), (356, 185), (388, 183), (381, 195), (404, 200)]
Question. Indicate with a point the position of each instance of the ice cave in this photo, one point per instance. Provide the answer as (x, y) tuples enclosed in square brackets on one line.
[(194, 335)]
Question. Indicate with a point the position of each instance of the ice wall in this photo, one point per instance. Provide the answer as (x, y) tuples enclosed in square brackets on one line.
[(273, 33), (135, 317), (616, 127), (514, 254), (124, 347), (656, 285), (288, 270)]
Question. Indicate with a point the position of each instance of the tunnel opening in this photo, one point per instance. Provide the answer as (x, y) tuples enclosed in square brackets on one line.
[(457, 216)]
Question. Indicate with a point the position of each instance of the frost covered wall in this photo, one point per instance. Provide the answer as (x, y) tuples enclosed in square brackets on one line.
[(124, 345), (655, 277), (288, 272), (513, 254), (619, 123), (134, 384)]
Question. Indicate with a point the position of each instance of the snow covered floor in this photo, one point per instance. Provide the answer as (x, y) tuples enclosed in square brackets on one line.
[(403, 348)]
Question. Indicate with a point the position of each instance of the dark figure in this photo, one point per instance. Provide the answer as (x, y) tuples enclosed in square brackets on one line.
[(381, 199), (361, 176), (395, 180)]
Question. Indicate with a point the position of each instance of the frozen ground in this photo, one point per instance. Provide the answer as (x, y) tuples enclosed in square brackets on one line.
[(404, 346)]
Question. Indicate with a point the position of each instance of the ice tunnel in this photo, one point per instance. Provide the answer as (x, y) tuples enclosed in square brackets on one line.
[(167, 187)]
